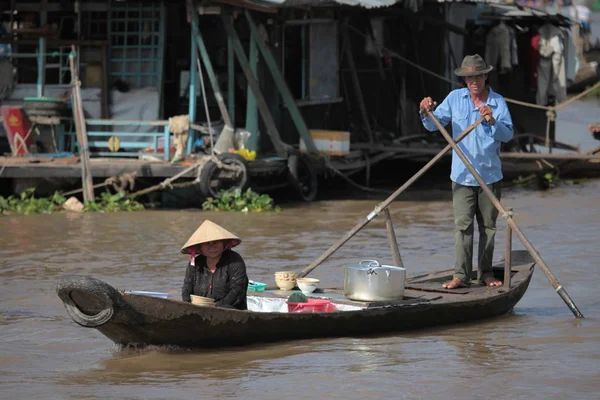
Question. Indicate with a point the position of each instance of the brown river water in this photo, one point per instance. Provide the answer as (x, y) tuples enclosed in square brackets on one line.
[(538, 351)]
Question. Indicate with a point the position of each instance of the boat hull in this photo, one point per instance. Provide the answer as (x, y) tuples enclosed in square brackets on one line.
[(143, 320)]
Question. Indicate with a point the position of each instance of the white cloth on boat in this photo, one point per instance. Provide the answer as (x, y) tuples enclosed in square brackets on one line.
[(279, 304)]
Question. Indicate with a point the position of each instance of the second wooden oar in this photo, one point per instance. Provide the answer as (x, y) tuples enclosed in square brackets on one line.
[(508, 216), (382, 206)]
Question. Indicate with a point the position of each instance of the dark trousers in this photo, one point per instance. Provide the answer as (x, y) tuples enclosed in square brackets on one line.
[(470, 202)]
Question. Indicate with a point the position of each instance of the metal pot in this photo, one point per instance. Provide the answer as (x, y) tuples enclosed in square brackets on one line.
[(369, 281)]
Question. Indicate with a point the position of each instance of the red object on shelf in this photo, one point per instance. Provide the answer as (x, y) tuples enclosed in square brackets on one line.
[(312, 305), (17, 130)]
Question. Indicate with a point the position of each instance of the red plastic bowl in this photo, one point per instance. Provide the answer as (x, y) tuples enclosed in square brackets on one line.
[(312, 305)]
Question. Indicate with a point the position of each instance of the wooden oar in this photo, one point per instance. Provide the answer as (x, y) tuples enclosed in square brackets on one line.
[(508, 216), (382, 206)]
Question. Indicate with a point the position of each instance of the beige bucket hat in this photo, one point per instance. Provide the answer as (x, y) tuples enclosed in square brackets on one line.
[(473, 65), (208, 232)]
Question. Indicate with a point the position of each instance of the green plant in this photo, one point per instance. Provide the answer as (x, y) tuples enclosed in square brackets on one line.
[(113, 202), (26, 203), (237, 200)]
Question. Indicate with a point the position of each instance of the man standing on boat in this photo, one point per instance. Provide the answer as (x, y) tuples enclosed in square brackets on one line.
[(482, 147)]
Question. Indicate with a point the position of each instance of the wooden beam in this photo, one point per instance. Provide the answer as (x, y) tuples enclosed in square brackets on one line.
[(280, 146), (392, 238), (356, 81), (251, 107), (208, 64), (26, 167), (81, 129), (249, 6), (282, 86), (507, 255)]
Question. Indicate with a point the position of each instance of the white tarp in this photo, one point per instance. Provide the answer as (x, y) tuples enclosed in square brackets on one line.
[(274, 304)]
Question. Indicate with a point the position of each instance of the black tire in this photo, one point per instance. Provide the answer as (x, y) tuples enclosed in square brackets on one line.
[(104, 293), (44, 105), (42, 112), (302, 176), (213, 179)]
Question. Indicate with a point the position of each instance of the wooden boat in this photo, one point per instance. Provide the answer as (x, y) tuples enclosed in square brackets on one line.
[(136, 319)]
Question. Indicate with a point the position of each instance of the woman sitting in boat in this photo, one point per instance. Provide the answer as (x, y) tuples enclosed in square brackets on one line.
[(215, 270)]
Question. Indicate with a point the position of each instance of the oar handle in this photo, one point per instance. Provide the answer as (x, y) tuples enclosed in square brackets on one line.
[(424, 111)]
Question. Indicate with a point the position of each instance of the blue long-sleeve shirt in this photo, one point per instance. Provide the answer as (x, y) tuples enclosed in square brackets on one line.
[(482, 145)]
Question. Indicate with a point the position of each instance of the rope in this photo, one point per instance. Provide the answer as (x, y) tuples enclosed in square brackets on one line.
[(526, 104), (212, 147), (508, 100), (393, 53), (350, 181), (574, 98), (120, 183)]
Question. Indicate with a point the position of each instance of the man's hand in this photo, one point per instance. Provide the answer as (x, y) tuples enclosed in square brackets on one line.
[(427, 103), (487, 112)]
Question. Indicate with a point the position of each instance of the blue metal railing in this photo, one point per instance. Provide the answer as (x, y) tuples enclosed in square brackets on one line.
[(100, 139)]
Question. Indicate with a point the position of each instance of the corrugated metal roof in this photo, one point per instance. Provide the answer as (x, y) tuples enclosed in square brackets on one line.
[(296, 3), (507, 2), (368, 3)]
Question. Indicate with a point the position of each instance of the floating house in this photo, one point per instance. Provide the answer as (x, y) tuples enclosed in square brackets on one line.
[(335, 84)]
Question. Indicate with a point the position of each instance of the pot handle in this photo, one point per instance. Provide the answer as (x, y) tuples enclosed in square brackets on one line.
[(369, 263)]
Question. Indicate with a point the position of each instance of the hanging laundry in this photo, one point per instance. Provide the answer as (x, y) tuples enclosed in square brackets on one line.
[(571, 56), (498, 48), (551, 80), (514, 50), (534, 59), (7, 79)]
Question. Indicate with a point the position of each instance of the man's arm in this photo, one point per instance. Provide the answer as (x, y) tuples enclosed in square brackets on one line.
[(443, 113), (502, 130)]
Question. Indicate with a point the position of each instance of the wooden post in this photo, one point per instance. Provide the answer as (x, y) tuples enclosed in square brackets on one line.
[(81, 130), (231, 80), (507, 256), (356, 81), (197, 37), (263, 107), (536, 256), (192, 98), (251, 108), (281, 84), (392, 238)]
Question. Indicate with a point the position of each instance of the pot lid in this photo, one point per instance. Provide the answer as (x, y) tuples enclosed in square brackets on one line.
[(373, 264)]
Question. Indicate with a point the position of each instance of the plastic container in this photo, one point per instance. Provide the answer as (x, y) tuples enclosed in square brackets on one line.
[(312, 305), (151, 294), (254, 286)]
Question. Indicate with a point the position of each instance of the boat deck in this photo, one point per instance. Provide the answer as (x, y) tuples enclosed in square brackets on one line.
[(69, 167), (420, 289)]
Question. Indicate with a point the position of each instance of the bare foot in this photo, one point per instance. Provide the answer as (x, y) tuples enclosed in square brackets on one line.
[(454, 283), (493, 282)]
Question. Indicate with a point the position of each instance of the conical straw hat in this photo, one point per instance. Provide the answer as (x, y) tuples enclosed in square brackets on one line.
[(207, 232)]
